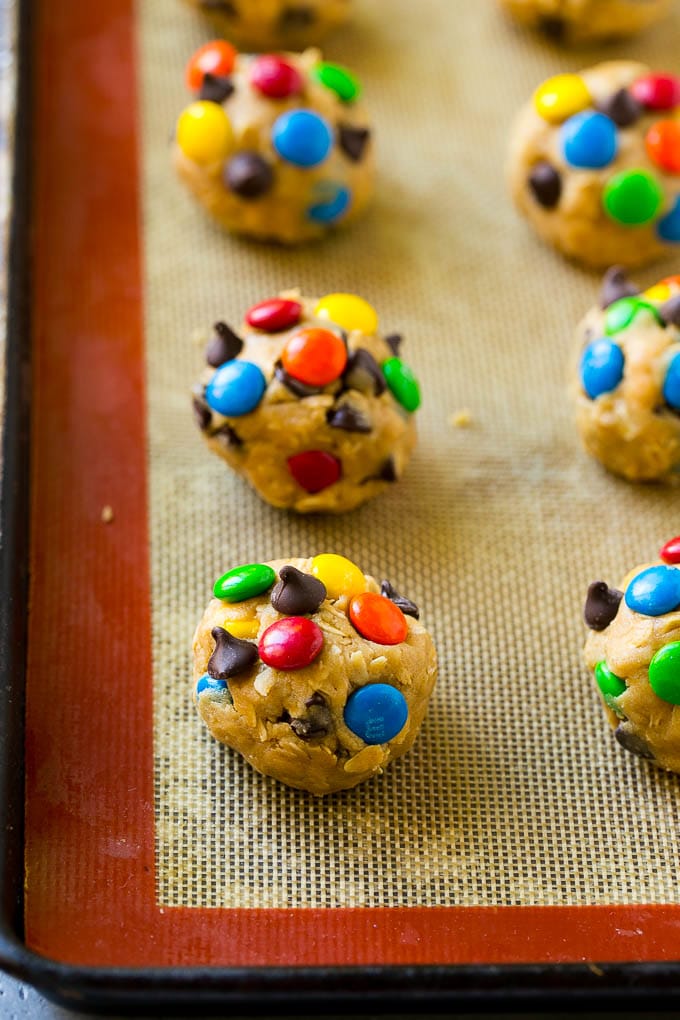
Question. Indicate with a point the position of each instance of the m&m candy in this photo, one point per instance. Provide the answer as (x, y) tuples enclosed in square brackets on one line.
[(302, 137), (338, 79), (275, 77), (623, 313), (244, 629), (244, 582), (314, 470), (589, 140), (291, 643), (560, 97), (378, 619), (664, 673), (668, 227), (632, 197), (663, 145), (236, 388), (215, 58), (670, 553), (314, 356), (348, 311), (339, 575), (671, 386), (204, 132), (333, 201), (274, 315), (376, 713), (654, 591), (402, 383), (610, 685), (209, 683), (657, 91)]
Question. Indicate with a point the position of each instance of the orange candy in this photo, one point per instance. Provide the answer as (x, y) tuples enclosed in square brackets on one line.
[(216, 57), (671, 281), (314, 356), (663, 145), (377, 619)]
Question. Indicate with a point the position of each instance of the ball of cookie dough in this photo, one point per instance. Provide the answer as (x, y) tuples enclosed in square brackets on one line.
[(595, 164), (633, 650), (276, 146), (274, 24), (309, 401), (625, 380), (312, 671), (579, 21)]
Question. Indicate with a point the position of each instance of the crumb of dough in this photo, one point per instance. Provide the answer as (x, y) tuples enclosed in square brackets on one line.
[(107, 514), (461, 419)]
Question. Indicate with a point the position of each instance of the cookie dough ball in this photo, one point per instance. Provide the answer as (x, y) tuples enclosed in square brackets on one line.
[(276, 147), (274, 24), (626, 379), (595, 164), (312, 671), (310, 402), (579, 21), (633, 650)]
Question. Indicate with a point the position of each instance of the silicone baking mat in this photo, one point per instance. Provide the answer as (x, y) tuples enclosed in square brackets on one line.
[(517, 830)]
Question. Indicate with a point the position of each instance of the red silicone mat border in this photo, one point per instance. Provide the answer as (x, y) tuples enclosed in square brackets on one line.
[(89, 847)]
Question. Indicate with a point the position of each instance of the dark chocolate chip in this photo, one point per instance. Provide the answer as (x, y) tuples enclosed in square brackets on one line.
[(353, 140), (231, 655), (224, 346), (348, 418), (224, 7), (229, 434), (248, 175), (215, 88), (630, 741), (202, 414), (317, 698), (388, 471), (363, 373), (553, 27), (670, 311), (407, 607), (297, 593), (615, 285), (393, 341), (300, 389), (317, 722), (545, 184), (292, 18), (622, 107), (602, 605)]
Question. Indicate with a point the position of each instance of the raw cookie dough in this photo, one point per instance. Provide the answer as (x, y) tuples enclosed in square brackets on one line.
[(626, 379), (579, 21), (274, 24), (310, 402), (633, 649), (316, 677), (595, 164), (276, 147)]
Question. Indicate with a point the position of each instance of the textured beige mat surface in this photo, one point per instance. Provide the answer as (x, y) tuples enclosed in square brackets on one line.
[(516, 793)]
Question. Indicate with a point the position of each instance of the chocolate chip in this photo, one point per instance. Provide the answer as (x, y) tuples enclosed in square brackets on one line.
[(615, 285), (224, 346), (230, 436), (215, 88), (202, 414), (630, 741), (300, 389), (231, 655), (297, 593), (545, 184), (348, 418), (407, 607), (670, 311), (553, 27), (248, 175), (224, 7), (394, 341), (296, 17), (353, 140), (622, 107), (388, 471), (602, 605), (363, 373), (317, 722)]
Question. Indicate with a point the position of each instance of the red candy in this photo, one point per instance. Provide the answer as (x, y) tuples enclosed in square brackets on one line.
[(657, 91), (291, 643), (314, 470), (215, 57), (663, 145), (377, 619), (671, 551), (274, 315), (315, 356), (275, 77)]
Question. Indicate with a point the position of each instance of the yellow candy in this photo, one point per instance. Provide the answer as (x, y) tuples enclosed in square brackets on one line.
[(242, 628), (561, 96), (204, 132), (659, 292), (341, 576), (348, 311)]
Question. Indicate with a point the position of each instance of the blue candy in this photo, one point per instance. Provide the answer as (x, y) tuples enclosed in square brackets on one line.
[(668, 227), (655, 591), (208, 683), (671, 387), (335, 200), (589, 140), (376, 713), (302, 137), (236, 388), (601, 367)]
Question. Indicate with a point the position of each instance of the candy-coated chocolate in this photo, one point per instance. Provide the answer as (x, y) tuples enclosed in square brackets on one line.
[(664, 673), (244, 582), (671, 281), (274, 315), (670, 553), (216, 58), (204, 132), (275, 77), (668, 227), (624, 312), (333, 201), (378, 619), (291, 643), (245, 629), (659, 292), (339, 575), (602, 364), (589, 140), (654, 591), (663, 145), (209, 683), (611, 685), (315, 356), (376, 713), (236, 388), (560, 97), (671, 386), (338, 79), (348, 311), (314, 470), (657, 91), (302, 137), (402, 383), (632, 197)]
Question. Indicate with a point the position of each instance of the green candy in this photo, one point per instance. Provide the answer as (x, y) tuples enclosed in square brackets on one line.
[(337, 79), (621, 314), (402, 383), (611, 686), (632, 197), (244, 582), (664, 673)]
